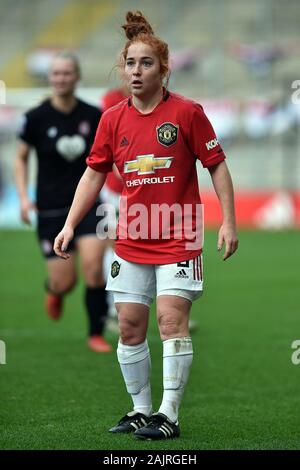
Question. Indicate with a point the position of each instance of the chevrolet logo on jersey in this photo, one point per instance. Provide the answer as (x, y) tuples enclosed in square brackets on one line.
[(147, 164)]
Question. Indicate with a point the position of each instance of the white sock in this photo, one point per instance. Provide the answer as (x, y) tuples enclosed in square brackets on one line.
[(135, 365), (177, 361)]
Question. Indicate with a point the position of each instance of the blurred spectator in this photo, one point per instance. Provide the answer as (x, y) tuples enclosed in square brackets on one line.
[(62, 130)]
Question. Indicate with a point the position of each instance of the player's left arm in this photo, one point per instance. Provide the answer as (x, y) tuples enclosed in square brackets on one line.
[(224, 189)]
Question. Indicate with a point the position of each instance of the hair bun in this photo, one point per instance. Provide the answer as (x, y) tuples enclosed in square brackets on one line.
[(136, 24)]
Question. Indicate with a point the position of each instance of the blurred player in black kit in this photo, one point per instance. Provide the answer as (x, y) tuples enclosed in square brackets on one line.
[(62, 130)]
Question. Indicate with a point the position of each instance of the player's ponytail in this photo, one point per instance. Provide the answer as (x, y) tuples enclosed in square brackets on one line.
[(136, 24), (138, 29)]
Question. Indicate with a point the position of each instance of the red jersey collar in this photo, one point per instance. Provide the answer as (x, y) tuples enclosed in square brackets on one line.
[(166, 95)]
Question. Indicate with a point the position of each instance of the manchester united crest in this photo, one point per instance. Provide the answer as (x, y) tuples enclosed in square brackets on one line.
[(167, 134), (115, 269)]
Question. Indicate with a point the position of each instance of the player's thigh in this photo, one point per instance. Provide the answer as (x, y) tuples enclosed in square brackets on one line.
[(173, 315), (133, 321), (178, 285), (133, 288)]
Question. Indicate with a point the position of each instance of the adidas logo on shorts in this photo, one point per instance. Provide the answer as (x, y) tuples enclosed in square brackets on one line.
[(182, 274)]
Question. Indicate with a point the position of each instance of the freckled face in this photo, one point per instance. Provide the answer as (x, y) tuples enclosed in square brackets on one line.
[(142, 70)]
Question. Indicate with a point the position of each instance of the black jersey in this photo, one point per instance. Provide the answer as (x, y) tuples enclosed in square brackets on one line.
[(62, 142)]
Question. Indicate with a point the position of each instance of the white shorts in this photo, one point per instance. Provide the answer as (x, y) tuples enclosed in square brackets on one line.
[(138, 283)]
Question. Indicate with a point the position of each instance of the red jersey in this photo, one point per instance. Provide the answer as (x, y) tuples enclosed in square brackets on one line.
[(155, 154), (114, 183), (111, 98)]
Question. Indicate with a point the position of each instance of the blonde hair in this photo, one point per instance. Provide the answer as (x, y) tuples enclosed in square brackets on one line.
[(68, 55)]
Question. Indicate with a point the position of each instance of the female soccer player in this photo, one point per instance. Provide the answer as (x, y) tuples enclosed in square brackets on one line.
[(62, 130), (154, 138)]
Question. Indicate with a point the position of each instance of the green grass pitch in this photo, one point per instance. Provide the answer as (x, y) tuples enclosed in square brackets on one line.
[(244, 389)]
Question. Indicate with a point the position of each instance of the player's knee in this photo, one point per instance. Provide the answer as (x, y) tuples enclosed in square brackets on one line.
[(93, 275), (170, 325), (62, 286), (130, 331)]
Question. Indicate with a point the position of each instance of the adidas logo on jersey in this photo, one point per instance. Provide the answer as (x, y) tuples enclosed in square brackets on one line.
[(182, 274), (124, 142)]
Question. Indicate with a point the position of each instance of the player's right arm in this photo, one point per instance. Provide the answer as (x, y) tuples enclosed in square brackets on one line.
[(86, 194), (21, 175)]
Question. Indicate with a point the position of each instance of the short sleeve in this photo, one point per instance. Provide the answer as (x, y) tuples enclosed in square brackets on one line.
[(203, 140), (26, 129), (101, 156)]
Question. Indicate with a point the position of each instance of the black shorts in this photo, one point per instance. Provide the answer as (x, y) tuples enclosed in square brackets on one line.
[(50, 223)]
